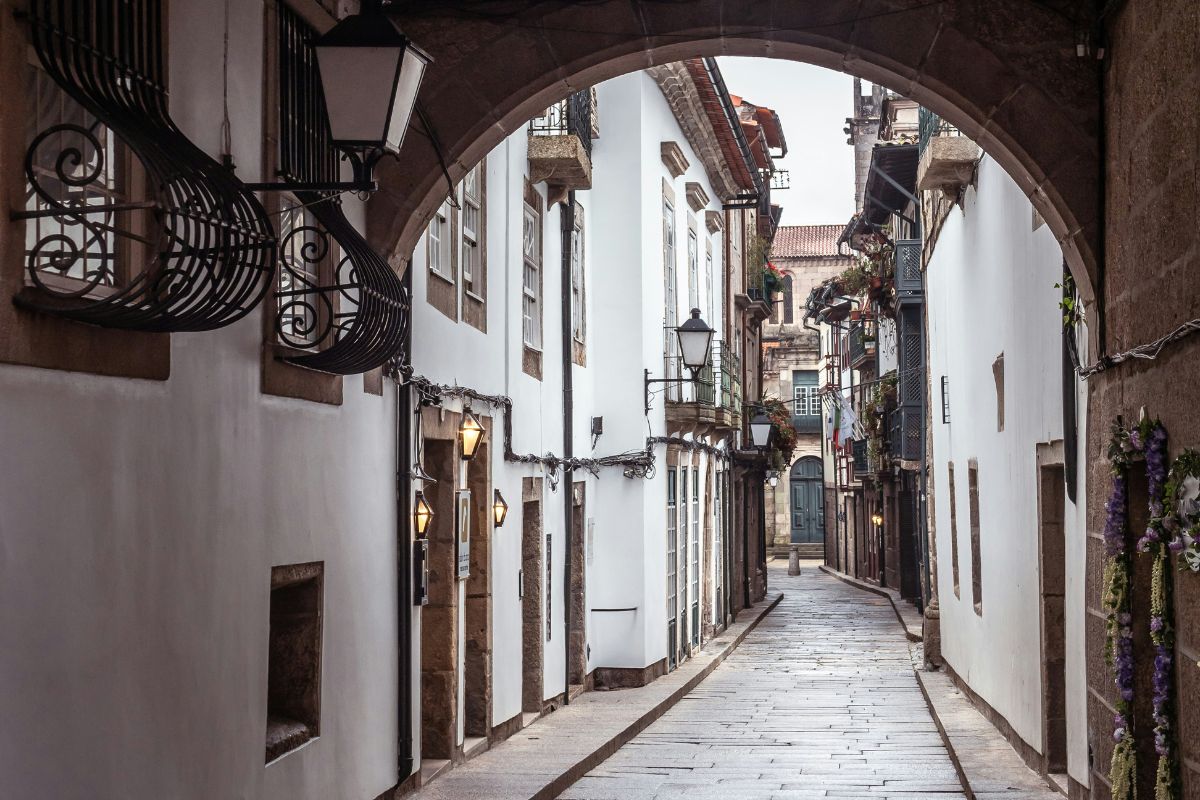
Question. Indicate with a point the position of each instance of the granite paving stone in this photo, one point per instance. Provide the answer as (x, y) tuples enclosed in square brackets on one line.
[(819, 701)]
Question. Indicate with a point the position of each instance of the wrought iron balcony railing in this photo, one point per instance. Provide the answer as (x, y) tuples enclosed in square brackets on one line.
[(566, 117), (931, 126), (861, 349)]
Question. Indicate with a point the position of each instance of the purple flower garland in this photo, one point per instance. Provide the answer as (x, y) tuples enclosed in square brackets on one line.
[(1148, 440)]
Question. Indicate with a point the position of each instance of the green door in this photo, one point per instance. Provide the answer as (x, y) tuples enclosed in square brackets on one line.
[(808, 502)]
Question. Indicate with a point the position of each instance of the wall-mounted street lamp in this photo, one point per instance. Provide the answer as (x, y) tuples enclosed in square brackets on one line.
[(470, 434), (695, 343), (760, 430), (877, 519), (370, 74), (499, 508), (422, 514), (773, 478)]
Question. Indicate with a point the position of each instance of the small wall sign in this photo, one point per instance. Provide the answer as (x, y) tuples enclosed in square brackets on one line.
[(462, 519)]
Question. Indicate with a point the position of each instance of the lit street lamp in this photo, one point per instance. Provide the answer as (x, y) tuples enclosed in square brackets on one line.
[(499, 508), (471, 434)]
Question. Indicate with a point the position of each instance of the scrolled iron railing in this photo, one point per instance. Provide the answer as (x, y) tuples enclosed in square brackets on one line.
[(570, 116), (355, 317), (188, 247)]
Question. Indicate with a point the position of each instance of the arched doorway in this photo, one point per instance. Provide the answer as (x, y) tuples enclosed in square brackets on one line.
[(807, 501), (496, 68)]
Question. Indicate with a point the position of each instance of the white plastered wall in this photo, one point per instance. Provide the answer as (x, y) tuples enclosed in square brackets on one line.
[(990, 290)]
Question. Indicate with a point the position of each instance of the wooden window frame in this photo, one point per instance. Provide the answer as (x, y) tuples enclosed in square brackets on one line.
[(473, 308), (531, 360), (277, 377), (47, 341)]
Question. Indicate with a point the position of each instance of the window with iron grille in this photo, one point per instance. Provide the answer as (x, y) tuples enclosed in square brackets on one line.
[(338, 299), (307, 258), (672, 545), (126, 219), (549, 588), (945, 399), (77, 256), (695, 555), (684, 550)]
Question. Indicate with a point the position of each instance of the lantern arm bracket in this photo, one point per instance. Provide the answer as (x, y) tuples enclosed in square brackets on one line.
[(362, 163), (678, 381)]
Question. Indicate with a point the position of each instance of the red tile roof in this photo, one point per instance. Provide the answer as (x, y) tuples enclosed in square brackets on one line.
[(801, 241)]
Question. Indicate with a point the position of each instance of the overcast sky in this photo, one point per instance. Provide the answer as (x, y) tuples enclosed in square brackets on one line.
[(813, 104)]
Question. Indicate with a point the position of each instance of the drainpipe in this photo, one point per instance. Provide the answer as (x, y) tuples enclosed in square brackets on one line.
[(567, 217), (404, 576), (745, 545)]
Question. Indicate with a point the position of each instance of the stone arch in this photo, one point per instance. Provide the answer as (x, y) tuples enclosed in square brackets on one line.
[(1032, 107)]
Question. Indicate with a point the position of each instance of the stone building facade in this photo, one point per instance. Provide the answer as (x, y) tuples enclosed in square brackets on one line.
[(807, 255)]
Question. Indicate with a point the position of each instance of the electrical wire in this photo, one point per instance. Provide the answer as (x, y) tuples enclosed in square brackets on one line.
[(1149, 351)]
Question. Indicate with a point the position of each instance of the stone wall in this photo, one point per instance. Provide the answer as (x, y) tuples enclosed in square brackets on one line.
[(1152, 244)]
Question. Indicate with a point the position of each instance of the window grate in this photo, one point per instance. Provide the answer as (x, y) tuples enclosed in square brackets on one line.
[(945, 399), (198, 245), (359, 308)]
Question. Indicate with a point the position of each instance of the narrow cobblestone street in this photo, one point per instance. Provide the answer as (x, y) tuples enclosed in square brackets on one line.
[(819, 701)]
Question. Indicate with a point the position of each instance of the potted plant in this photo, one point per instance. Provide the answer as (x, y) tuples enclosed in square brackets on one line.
[(772, 282)]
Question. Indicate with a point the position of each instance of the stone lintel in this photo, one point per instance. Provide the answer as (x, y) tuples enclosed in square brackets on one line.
[(674, 159)]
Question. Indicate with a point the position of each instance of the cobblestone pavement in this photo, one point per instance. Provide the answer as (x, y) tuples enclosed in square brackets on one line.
[(819, 701)]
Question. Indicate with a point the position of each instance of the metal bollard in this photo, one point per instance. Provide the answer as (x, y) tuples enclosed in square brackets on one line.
[(794, 561)]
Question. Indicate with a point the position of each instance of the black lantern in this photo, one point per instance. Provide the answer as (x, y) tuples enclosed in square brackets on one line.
[(470, 432), (422, 514), (760, 430), (499, 508), (370, 73), (695, 342)]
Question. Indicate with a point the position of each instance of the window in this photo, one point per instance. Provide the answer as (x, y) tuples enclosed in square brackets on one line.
[(71, 256), (531, 284), (976, 561), (710, 290), (472, 251), (684, 549), (549, 592), (695, 556), (806, 397), (437, 243), (789, 313), (998, 375), (578, 297), (294, 657), (670, 303), (672, 562), (693, 265), (306, 256), (945, 399), (953, 530)]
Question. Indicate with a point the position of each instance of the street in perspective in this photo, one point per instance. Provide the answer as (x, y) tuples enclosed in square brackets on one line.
[(599, 400)]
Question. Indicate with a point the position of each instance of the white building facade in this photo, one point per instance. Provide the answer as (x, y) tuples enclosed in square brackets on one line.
[(216, 563), (1008, 511)]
